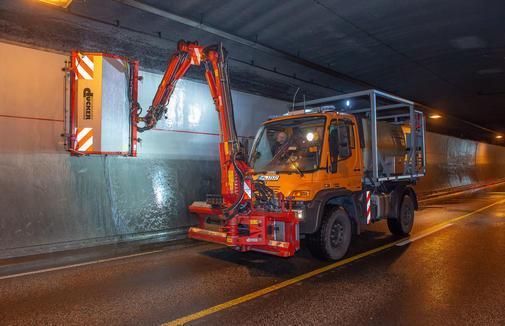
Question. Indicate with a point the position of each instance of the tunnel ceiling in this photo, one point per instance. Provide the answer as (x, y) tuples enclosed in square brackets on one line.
[(449, 54)]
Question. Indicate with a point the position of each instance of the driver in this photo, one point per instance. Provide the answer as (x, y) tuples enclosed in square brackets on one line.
[(280, 141)]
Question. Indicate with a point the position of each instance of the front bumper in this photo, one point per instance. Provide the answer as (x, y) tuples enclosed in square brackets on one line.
[(275, 233)]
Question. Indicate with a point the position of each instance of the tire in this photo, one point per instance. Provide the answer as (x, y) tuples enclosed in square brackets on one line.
[(405, 221), (334, 236)]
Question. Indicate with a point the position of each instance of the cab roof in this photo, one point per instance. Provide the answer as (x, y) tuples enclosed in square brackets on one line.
[(311, 112)]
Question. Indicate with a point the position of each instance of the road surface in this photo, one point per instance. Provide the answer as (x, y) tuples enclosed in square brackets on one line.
[(451, 272)]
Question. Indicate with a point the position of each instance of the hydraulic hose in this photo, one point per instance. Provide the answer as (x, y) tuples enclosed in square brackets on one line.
[(233, 207)]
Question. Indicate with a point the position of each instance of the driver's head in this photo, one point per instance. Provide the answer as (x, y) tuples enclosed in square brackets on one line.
[(281, 137)]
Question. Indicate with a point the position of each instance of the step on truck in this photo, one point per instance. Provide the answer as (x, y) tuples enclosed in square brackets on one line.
[(345, 162)]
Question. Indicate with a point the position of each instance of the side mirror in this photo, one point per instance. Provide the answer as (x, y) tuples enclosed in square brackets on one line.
[(333, 143), (334, 150), (344, 146)]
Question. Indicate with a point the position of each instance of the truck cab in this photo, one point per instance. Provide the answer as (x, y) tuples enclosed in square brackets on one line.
[(343, 170), (301, 154)]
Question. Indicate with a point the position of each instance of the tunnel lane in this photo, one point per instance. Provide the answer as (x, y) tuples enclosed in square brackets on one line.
[(300, 278), (454, 277), (174, 283)]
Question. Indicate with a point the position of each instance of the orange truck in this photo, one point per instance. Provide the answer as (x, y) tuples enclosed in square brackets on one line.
[(336, 165), (346, 161)]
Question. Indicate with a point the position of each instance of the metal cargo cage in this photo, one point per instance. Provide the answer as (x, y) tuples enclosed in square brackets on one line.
[(393, 133), (102, 118)]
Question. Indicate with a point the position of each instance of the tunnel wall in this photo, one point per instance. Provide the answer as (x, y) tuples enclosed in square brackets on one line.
[(53, 201), (457, 163)]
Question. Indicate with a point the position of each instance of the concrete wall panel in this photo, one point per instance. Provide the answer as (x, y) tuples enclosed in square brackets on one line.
[(31, 82), (490, 162)]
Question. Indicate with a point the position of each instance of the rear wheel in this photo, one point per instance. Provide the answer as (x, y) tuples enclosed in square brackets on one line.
[(405, 221), (334, 236)]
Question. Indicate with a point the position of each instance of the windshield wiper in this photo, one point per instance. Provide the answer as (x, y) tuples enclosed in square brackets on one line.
[(296, 167)]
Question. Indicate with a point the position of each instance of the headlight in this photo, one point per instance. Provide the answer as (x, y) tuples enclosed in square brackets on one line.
[(300, 193), (298, 213)]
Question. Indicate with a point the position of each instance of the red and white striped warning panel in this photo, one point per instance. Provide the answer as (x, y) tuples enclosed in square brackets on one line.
[(84, 140), (84, 66), (196, 58), (247, 190), (368, 208)]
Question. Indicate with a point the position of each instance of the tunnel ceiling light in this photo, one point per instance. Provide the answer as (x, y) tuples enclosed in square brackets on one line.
[(59, 3), (435, 116)]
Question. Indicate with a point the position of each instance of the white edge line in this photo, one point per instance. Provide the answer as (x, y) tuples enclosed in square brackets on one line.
[(77, 265), (156, 251), (403, 243)]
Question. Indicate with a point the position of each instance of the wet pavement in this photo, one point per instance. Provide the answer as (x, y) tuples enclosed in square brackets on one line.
[(453, 276)]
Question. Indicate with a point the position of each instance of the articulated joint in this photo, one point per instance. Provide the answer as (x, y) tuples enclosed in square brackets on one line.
[(151, 118)]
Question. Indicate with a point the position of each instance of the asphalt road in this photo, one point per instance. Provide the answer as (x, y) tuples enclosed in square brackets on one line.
[(453, 272)]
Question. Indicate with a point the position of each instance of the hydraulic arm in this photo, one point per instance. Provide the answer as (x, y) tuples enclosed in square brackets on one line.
[(233, 167), (247, 215)]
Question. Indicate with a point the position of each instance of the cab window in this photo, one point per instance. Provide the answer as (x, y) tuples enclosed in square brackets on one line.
[(341, 139)]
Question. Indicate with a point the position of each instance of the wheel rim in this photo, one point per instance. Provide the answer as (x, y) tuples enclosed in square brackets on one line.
[(337, 234), (407, 216)]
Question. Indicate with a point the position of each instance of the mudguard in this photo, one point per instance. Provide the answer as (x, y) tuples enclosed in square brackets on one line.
[(397, 195), (336, 197)]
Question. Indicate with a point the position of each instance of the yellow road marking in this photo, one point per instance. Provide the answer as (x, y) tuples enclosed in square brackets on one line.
[(422, 235), (297, 279)]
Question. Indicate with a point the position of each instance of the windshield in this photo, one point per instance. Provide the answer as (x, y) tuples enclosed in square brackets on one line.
[(292, 145)]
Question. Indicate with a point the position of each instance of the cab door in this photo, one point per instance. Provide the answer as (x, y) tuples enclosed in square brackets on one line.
[(345, 156)]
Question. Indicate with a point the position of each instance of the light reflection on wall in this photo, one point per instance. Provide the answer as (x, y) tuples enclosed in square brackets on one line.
[(159, 188), (185, 108), (483, 155), (175, 112), (195, 114)]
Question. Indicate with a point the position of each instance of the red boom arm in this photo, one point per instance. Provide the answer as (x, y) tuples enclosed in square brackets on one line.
[(262, 223), (233, 166)]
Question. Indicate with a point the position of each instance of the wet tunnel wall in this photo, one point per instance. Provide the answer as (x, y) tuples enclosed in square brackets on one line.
[(52, 201), (458, 163)]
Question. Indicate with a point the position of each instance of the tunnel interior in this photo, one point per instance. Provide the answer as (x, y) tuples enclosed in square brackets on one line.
[(211, 162), (453, 68)]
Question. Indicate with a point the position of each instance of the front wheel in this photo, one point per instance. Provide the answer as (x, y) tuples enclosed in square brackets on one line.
[(405, 221), (334, 236)]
